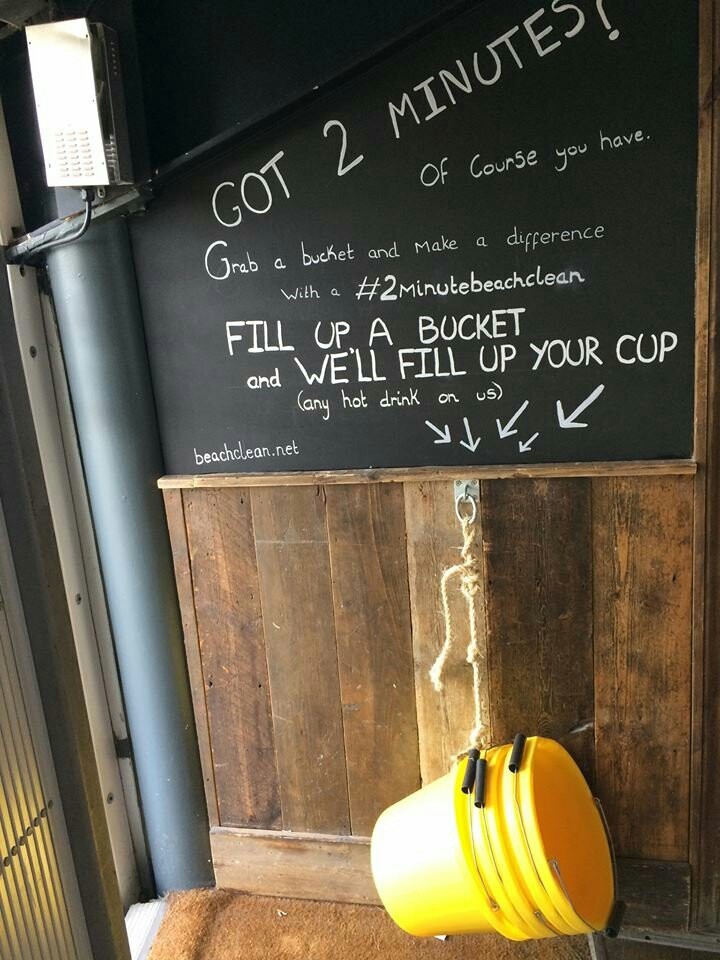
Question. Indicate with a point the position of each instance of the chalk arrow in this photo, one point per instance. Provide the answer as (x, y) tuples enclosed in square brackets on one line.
[(443, 435), (469, 444), (506, 431), (570, 421), (524, 446)]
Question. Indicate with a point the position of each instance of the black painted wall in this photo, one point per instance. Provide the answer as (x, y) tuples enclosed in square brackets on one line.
[(236, 63), (203, 70)]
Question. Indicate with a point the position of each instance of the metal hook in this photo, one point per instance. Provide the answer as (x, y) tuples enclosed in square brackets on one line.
[(467, 492)]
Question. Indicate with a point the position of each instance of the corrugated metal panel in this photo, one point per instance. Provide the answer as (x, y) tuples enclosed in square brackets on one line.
[(34, 916)]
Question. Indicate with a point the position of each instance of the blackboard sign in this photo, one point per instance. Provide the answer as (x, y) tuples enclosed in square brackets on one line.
[(479, 252)]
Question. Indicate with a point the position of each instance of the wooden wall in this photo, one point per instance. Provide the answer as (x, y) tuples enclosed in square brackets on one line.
[(312, 616)]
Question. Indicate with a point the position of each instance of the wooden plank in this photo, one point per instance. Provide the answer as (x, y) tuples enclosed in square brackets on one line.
[(297, 604), (642, 600), (317, 867), (657, 893), (434, 540), (633, 950), (705, 268), (538, 548), (175, 513), (705, 793), (621, 468), (227, 605), (306, 866), (368, 557), (694, 946)]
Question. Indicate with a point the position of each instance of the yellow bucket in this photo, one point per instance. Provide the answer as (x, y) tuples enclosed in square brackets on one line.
[(527, 856)]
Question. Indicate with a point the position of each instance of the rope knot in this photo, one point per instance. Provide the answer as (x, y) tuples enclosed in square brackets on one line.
[(470, 582), (469, 572)]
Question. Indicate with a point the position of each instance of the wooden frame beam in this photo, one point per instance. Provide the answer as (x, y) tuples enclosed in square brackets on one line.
[(624, 468)]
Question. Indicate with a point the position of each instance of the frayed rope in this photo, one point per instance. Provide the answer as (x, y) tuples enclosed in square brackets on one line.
[(469, 572)]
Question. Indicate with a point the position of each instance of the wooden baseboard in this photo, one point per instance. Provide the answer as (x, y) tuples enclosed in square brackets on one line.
[(302, 865), (657, 894), (705, 941), (322, 867)]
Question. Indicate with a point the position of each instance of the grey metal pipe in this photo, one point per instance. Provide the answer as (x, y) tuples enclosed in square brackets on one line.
[(98, 312)]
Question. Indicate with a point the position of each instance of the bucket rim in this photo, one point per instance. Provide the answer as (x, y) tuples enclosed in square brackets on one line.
[(464, 810), (520, 926), (548, 869)]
